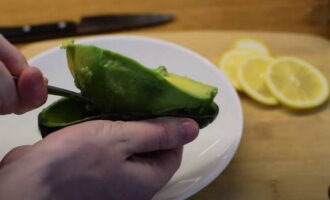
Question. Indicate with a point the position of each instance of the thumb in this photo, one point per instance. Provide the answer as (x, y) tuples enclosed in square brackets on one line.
[(159, 134)]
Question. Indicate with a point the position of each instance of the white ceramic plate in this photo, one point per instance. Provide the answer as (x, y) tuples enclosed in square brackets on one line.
[(203, 160)]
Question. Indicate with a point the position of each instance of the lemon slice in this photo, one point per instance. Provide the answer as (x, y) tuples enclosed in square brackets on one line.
[(251, 77), (251, 44), (230, 62), (296, 83)]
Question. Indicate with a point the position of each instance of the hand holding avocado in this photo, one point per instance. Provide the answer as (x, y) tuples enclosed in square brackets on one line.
[(98, 160)]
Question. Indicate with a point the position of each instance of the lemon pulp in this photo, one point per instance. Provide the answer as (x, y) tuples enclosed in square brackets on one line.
[(230, 63), (296, 84), (251, 77)]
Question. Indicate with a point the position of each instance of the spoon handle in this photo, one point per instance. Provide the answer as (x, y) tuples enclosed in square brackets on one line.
[(60, 91), (65, 93)]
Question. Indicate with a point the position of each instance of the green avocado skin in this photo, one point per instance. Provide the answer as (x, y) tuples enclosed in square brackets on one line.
[(69, 111), (116, 83)]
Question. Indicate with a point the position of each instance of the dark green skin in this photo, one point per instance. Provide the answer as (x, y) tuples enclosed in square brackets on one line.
[(68, 111)]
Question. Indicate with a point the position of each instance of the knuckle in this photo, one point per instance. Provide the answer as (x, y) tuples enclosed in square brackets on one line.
[(119, 132), (102, 128), (164, 135), (113, 134), (114, 130)]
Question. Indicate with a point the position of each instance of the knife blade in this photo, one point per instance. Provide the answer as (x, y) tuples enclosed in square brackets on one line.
[(87, 25)]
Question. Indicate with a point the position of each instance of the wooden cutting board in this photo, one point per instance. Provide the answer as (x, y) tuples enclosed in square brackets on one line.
[(283, 154)]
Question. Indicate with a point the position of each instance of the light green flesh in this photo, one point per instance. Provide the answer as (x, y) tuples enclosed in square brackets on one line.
[(64, 112), (116, 83)]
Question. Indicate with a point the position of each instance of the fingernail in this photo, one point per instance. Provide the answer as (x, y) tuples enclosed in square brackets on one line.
[(189, 129)]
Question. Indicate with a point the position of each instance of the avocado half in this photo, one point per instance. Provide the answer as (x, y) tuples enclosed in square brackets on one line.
[(120, 88)]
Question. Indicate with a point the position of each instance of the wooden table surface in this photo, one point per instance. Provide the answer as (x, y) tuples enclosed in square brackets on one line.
[(250, 174), (308, 16), (283, 154)]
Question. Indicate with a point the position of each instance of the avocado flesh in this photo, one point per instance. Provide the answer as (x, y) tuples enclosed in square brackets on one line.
[(114, 83), (62, 113), (120, 88)]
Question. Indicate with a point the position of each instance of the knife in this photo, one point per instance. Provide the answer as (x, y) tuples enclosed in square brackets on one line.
[(87, 25)]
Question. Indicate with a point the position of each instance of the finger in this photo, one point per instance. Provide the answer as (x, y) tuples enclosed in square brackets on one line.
[(157, 134), (168, 159), (32, 90), (8, 94), (14, 154), (12, 57), (156, 168)]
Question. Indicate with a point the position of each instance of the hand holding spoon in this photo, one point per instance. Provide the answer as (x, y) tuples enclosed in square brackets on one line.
[(61, 92)]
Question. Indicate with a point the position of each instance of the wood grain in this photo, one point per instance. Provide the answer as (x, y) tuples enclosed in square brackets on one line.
[(302, 16), (283, 154)]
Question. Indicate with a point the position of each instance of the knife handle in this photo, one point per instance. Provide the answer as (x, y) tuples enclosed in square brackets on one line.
[(37, 32)]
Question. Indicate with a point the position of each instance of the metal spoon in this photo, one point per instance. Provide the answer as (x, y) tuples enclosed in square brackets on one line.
[(61, 92)]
